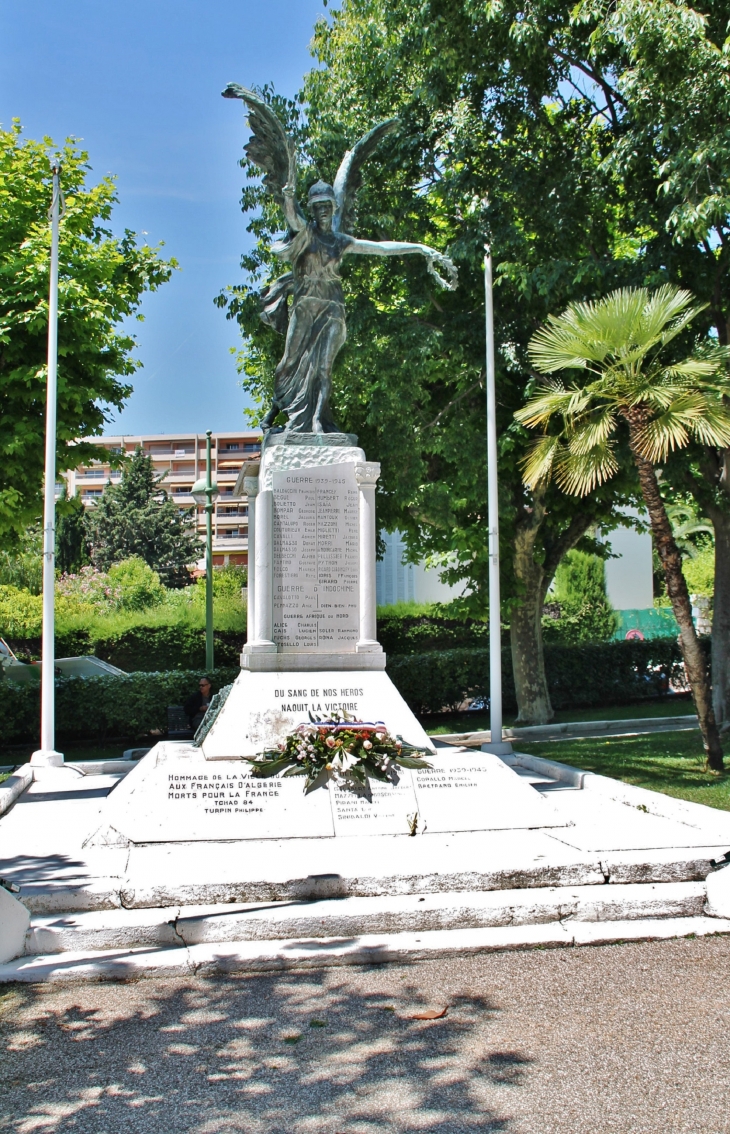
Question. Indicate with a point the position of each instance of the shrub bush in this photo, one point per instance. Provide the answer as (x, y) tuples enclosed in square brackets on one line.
[(141, 648), (139, 586), (580, 596), (92, 708), (21, 613), (577, 676), (403, 632)]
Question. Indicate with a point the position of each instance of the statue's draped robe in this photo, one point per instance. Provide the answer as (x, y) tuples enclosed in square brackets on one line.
[(316, 331)]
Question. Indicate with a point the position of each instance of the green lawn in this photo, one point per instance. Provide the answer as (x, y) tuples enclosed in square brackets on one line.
[(475, 722), (670, 762)]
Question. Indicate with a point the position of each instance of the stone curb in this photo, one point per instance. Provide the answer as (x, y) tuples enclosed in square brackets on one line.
[(577, 730), (11, 788), (254, 956)]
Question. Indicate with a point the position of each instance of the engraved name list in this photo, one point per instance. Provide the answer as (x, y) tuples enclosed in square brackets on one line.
[(316, 555)]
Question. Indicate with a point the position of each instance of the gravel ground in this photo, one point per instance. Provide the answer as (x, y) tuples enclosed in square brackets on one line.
[(627, 1038)]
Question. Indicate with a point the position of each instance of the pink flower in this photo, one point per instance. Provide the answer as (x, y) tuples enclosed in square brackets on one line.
[(330, 741), (367, 743)]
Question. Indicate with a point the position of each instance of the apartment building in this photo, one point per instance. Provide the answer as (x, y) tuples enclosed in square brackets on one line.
[(179, 458)]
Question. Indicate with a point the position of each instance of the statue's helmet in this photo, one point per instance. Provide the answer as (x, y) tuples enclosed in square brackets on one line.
[(321, 191)]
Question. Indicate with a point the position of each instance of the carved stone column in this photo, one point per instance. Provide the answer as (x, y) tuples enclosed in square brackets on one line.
[(366, 475), (251, 488), (263, 577)]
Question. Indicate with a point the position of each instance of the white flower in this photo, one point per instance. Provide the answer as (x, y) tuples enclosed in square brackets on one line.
[(347, 761)]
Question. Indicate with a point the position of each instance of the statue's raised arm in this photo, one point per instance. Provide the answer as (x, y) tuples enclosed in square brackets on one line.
[(315, 322), (273, 151), (347, 183)]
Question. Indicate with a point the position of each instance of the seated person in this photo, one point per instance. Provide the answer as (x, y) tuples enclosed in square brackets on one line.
[(196, 706)]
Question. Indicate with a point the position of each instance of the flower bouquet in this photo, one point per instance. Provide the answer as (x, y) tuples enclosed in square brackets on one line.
[(345, 750)]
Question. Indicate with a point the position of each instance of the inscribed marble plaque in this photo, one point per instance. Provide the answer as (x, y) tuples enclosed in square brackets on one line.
[(316, 559), (477, 792), (175, 795), (391, 811)]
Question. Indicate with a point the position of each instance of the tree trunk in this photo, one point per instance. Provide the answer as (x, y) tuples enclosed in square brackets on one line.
[(671, 559), (721, 617), (528, 662)]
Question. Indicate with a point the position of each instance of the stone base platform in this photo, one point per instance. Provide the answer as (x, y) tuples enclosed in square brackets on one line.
[(623, 864)]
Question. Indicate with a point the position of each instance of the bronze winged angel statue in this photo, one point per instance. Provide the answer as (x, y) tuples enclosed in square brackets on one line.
[(314, 326)]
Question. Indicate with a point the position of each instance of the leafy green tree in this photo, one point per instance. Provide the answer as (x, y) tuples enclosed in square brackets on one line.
[(136, 518), (586, 615), (623, 381), (22, 565), (669, 70), (410, 381), (102, 279), (636, 93), (72, 552)]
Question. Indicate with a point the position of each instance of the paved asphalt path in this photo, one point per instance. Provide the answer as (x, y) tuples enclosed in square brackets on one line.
[(627, 1038)]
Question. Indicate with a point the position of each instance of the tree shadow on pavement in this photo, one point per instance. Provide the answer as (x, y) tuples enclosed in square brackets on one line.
[(323, 1052)]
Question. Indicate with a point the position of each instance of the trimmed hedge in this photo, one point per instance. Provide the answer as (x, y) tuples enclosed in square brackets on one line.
[(91, 708), (577, 676), (157, 648), (413, 634), (149, 648)]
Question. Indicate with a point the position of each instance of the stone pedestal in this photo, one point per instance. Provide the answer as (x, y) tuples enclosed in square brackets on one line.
[(174, 795), (312, 644), (313, 652), (312, 539)]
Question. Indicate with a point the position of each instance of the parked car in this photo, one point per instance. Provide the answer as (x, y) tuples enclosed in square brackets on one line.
[(14, 670)]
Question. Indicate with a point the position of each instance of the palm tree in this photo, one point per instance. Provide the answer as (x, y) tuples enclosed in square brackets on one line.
[(686, 526), (627, 385)]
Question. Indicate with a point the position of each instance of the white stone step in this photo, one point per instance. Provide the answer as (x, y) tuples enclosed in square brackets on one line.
[(262, 956), (348, 917)]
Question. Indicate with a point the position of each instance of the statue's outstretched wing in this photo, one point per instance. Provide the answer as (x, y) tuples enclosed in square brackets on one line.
[(270, 147), (349, 177)]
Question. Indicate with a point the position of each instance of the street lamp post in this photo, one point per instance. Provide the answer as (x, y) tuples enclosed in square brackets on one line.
[(498, 746), (205, 493), (46, 755)]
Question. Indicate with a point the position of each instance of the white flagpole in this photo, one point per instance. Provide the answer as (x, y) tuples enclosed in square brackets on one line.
[(47, 755), (496, 745)]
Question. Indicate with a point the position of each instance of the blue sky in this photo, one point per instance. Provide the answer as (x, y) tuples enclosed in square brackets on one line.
[(139, 81)]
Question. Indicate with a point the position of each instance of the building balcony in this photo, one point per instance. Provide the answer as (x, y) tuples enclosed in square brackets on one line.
[(229, 545), (175, 476), (170, 451)]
